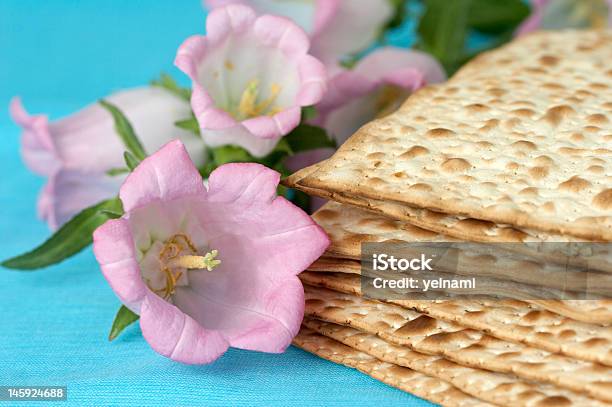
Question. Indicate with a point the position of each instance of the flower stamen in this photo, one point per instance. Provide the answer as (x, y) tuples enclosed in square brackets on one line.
[(171, 257), (191, 262), (589, 14), (248, 106), (576, 14)]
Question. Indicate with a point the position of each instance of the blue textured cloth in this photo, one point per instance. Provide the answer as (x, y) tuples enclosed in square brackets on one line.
[(60, 55)]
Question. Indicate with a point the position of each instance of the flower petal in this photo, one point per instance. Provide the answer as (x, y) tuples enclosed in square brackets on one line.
[(274, 127), (253, 313), (210, 117), (313, 81), (385, 60), (351, 99), (189, 54), (168, 174), (273, 329), (86, 140), (177, 336), (407, 78), (285, 239), (242, 182), (534, 21), (114, 249), (69, 192), (153, 112), (355, 25), (325, 10), (44, 205), (37, 147), (282, 33), (343, 87), (235, 18)]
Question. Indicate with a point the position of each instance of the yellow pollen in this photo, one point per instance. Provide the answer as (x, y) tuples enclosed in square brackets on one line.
[(598, 21), (191, 262), (576, 14), (599, 12), (171, 257), (249, 107), (229, 65)]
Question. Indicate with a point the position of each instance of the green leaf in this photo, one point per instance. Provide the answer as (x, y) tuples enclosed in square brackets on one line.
[(349, 61), (208, 167), (306, 137), (399, 14), (190, 124), (497, 17), (111, 214), (443, 31), (123, 319), (276, 158), (117, 171), (230, 154), (283, 147), (70, 239), (131, 161), (308, 113), (209, 164), (301, 199), (125, 131), (167, 82)]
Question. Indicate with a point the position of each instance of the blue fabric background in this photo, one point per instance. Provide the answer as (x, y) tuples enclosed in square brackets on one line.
[(60, 55)]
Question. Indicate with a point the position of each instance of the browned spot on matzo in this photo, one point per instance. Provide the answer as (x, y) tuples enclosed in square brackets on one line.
[(603, 199), (439, 132), (575, 184), (414, 151), (417, 326), (455, 165)]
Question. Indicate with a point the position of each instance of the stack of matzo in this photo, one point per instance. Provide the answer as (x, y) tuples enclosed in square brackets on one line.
[(517, 147)]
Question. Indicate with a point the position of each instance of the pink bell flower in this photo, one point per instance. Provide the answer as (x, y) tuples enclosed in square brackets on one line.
[(207, 268), (375, 87), (250, 78), (74, 153), (560, 14), (337, 28)]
